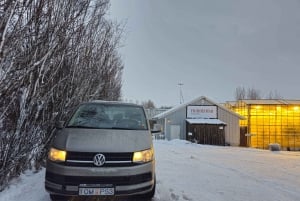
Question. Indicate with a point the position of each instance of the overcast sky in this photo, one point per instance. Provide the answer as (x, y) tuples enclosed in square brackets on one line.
[(211, 46)]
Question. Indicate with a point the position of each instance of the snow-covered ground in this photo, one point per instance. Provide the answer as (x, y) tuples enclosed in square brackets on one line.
[(188, 171)]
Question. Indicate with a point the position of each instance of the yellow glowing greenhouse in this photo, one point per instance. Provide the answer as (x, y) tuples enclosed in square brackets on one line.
[(269, 121)]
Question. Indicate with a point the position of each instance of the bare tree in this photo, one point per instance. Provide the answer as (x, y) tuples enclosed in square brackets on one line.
[(149, 104), (53, 55), (253, 94), (240, 93), (274, 95)]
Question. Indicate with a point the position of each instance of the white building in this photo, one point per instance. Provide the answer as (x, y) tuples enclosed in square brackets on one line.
[(201, 120)]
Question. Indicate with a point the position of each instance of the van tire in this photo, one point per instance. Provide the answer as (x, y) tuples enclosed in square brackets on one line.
[(55, 197)]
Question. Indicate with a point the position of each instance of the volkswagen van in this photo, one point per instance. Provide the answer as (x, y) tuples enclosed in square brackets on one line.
[(105, 149)]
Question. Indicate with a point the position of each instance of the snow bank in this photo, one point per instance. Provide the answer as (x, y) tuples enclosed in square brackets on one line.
[(193, 172)]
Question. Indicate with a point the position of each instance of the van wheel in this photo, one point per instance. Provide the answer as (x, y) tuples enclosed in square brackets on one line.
[(55, 197)]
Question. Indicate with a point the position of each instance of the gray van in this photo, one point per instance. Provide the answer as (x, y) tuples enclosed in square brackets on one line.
[(105, 149)]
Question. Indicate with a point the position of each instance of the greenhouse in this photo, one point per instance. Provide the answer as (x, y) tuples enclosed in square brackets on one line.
[(269, 122)]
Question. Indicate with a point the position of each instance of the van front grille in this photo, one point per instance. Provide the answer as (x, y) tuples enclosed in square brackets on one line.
[(85, 159)]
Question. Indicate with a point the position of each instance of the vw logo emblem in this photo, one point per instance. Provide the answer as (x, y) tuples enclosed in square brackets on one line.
[(99, 159)]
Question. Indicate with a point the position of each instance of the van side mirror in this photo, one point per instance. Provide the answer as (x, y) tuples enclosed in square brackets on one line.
[(60, 124), (157, 128), (155, 131)]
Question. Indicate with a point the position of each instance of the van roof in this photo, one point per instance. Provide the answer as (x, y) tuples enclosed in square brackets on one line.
[(112, 102)]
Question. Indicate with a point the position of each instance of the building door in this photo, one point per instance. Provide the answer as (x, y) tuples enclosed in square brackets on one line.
[(243, 137), (207, 134), (174, 132)]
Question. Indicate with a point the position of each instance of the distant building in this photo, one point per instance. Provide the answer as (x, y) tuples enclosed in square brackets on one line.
[(269, 121), (201, 120)]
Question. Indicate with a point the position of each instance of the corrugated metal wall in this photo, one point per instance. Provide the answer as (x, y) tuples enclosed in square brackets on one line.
[(176, 118), (232, 129)]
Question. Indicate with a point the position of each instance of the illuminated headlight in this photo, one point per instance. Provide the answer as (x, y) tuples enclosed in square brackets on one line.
[(57, 155), (143, 156)]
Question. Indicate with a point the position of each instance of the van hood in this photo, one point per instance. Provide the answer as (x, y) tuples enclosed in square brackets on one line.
[(102, 140)]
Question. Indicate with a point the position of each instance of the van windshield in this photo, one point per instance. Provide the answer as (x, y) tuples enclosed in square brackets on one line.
[(109, 116)]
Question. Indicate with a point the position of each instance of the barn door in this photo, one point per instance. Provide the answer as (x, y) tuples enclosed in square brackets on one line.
[(208, 134)]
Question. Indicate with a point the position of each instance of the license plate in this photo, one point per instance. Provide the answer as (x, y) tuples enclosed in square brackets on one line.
[(96, 191)]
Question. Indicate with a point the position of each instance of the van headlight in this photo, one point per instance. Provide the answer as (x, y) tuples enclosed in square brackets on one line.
[(143, 156), (57, 155)]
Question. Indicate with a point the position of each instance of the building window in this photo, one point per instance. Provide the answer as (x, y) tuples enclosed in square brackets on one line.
[(271, 123)]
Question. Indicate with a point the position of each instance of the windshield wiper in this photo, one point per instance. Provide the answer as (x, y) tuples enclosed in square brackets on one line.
[(122, 128), (82, 127)]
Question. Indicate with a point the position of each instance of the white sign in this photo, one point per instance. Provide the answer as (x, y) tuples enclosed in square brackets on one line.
[(197, 112), (249, 134)]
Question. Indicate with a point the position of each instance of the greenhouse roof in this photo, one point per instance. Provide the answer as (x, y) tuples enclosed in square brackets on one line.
[(271, 102)]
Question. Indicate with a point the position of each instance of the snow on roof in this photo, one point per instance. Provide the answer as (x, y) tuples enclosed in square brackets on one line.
[(205, 121), (174, 109)]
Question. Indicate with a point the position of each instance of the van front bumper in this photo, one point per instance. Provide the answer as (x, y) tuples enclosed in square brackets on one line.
[(66, 180)]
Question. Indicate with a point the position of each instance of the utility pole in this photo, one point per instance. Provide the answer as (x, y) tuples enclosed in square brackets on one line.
[(181, 100)]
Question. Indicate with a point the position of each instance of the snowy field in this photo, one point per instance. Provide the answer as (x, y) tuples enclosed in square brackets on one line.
[(188, 172)]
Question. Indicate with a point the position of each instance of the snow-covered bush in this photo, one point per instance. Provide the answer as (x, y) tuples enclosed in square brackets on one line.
[(53, 55)]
